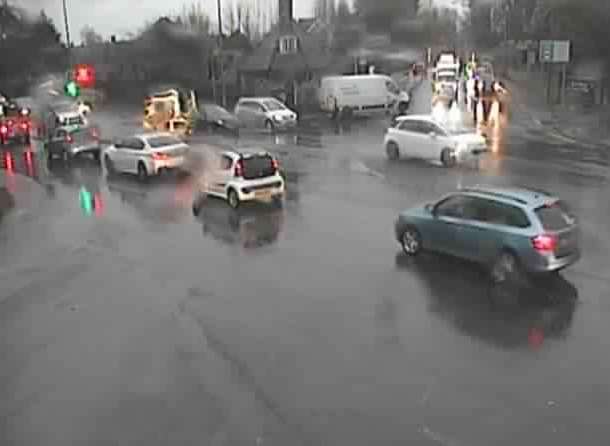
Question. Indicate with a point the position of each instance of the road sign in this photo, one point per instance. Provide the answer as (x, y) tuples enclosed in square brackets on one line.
[(554, 51), (546, 51)]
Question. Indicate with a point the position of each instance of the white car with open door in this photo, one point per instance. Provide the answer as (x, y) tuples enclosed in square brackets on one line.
[(421, 136), (243, 175), (146, 155)]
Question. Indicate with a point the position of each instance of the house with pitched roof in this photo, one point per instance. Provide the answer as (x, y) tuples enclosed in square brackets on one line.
[(289, 59)]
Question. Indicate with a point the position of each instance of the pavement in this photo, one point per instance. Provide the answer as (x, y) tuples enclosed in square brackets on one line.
[(589, 127), (135, 323)]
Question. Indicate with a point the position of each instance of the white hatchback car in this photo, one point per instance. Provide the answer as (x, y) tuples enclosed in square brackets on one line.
[(265, 112), (146, 155), (421, 136), (243, 175)]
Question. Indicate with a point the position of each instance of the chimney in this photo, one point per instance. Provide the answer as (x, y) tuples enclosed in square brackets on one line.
[(285, 10)]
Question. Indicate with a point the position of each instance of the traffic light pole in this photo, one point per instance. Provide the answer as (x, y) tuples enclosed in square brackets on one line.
[(67, 31)]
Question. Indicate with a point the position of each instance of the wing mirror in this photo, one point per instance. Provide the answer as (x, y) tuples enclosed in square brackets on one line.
[(429, 208)]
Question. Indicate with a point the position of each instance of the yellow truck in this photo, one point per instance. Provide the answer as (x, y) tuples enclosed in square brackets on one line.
[(172, 110)]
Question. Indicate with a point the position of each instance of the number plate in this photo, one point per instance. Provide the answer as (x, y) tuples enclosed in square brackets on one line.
[(262, 195)]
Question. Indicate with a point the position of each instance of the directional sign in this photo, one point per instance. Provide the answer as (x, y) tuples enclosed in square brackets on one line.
[(554, 51), (546, 51)]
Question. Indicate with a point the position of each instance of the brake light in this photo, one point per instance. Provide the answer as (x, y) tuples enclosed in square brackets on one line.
[(98, 205), (276, 164), (544, 243), (69, 139), (95, 134), (24, 125), (159, 156), (8, 162), (4, 130), (10, 123), (239, 169)]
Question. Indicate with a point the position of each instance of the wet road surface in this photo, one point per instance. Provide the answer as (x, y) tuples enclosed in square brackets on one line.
[(129, 321)]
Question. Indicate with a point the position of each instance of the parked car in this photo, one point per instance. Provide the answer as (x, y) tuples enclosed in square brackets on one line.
[(243, 175), (421, 136), (512, 231), (265, 112), (146, 155), (72, 141), (215, 119)]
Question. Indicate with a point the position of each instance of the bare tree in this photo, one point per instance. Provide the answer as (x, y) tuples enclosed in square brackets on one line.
[(89, 36), (195, 19)]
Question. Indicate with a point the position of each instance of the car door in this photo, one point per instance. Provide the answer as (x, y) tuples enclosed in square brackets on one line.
[(57, 142), (411, 138), (221, 176), (448, 215), (483, 234), (439, 140), (259, 114), (128, 154), (245, 113)]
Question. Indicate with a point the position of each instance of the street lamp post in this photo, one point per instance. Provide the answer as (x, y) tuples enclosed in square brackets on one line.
[(220, 54), (67, 29)]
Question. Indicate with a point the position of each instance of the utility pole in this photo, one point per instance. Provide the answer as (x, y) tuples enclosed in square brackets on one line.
[(67, 28), (220, 54)]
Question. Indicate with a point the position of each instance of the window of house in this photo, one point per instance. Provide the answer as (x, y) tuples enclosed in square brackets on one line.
[(288, 44)]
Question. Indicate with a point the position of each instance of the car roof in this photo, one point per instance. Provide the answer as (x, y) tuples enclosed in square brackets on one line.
[(256, 98), (149, 135), (428, 118), (515, 195), (246, 152)]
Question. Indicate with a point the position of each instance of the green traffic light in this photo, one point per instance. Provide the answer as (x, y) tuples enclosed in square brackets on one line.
[(85, 201), (72, 89)]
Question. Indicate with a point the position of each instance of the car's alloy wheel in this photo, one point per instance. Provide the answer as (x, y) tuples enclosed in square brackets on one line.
[(448, 158), (142, 172), (109, 165), (505, 268), (233, 199), (411, 241), (392, 151)]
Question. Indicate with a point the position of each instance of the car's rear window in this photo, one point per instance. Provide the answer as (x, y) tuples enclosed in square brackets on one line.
[(258, 166), (162, 141), (555, 217)]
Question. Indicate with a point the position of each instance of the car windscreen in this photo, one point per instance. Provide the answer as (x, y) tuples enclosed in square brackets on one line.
[(258, 166), (273, 105), (156, 142), (555, 216)]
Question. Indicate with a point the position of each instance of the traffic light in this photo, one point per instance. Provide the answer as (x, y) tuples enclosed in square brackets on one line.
[(90, 203), (72, 89), (84, 76)]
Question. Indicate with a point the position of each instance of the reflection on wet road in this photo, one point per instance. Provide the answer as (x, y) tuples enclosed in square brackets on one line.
[(125, 319)]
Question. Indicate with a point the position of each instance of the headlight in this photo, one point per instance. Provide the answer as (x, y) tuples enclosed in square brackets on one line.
[(461, 147), (276, 118)]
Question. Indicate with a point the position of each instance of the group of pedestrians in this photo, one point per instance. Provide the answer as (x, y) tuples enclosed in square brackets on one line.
[(481, 95)]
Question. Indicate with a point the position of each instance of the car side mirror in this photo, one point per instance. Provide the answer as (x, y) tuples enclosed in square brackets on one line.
[(430, 208)]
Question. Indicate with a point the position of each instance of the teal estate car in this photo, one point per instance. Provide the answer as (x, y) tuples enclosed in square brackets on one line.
[(511, 230)]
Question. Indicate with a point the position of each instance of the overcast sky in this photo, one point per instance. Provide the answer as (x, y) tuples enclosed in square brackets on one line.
[(115, 17)]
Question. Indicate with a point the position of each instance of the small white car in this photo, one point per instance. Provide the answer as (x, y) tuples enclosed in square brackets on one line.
[(146, 155), (265, 112), (421, 136), (243, 175)]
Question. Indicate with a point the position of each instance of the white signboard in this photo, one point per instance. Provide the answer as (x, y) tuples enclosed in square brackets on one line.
[(561, 51)]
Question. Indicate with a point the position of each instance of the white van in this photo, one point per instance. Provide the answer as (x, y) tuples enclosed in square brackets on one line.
[(362, 93)]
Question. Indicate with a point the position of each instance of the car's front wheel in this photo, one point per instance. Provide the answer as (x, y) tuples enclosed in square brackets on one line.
[(448, 158), (233, 199), (142, 172), (110, 169), (392, 151), (411, 242)]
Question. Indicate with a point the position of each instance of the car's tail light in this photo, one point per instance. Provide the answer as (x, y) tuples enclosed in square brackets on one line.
[(4, 129), (239, 169), (276, 164), (95, 134), (160, 156), (544, 243), (69, 139), (10, 123), (25, 125)]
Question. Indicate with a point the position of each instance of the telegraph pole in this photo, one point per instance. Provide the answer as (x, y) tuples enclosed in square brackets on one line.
[(220, 54), (67, 28)]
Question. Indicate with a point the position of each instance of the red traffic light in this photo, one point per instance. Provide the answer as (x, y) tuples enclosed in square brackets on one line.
[(84, 76)]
